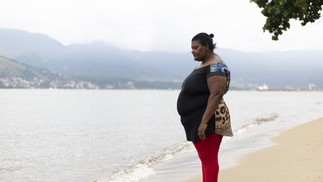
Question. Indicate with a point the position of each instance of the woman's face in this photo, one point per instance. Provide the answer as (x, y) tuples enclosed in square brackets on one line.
[(199, 51)]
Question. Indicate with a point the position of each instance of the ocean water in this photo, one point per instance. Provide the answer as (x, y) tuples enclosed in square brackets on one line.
[(129, 135)]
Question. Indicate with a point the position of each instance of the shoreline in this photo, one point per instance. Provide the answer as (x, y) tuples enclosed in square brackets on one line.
[(295, 156)]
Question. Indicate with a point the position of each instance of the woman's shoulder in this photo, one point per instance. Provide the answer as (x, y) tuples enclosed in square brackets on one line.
[(218, 66)]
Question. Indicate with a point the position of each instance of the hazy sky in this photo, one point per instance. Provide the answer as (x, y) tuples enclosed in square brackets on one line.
[(155, 25)]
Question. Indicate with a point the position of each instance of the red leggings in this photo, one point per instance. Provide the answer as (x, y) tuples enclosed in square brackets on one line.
[(208, 151)]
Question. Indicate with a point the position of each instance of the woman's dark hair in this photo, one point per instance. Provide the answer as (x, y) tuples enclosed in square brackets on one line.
[(205, 39)]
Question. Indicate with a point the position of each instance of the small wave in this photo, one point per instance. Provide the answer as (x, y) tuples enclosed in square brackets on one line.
[(143, 169), (266, 119), (257, 122), (131, 174)]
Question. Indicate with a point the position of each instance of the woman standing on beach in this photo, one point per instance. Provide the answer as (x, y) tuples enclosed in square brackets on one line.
[(204, 114)]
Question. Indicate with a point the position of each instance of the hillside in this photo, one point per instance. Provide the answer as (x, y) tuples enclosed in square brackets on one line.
[(111, 67), (11, 68), (17, 75)]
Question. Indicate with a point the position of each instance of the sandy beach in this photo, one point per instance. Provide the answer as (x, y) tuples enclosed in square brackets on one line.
[(295, 157)]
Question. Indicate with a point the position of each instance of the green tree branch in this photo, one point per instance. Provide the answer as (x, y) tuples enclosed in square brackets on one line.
[(279, 12)]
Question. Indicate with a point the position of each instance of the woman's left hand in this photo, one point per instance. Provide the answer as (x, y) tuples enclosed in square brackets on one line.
[(201, 131)]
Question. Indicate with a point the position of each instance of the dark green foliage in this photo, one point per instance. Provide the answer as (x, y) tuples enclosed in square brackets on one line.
[(279, 12)]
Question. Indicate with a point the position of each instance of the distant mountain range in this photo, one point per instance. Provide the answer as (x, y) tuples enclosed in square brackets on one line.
[(109, 67)]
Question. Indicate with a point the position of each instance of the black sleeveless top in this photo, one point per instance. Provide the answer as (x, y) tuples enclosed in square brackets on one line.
[(193, 98)]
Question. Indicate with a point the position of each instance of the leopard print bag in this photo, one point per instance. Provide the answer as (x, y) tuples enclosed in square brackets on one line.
[(222, 120)]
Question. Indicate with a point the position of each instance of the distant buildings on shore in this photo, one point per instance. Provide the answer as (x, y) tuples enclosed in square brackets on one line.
[(264, 87), (19, 82)]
